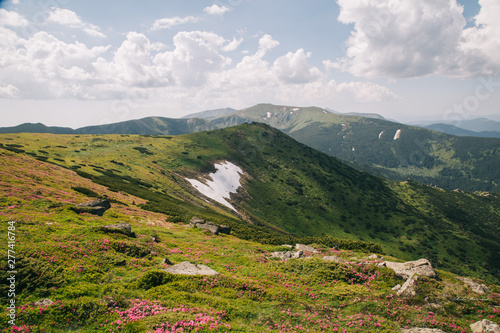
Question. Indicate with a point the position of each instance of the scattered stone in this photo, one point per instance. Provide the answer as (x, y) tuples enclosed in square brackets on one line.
[(287, 245), (396, 287), (214, 228), (422, 330), (285, 255), (333, 258), (306, 248), (124, 228), (406, 270), (166, 261), (44, 302), (187, 268), (373, 257), (408, 288), (485, 325), (476, 287), (94, 207)]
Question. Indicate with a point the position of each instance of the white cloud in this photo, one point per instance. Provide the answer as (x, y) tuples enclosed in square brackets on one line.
[(411, 38), (45, 67), (70, 19), (293, 68), (195, 55), (266, 43), (216, 10), (8, 91), (12, 19), (233, 45), (169, 22)]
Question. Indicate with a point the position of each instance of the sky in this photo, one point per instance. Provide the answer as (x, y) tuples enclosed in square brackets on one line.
[(77, 63)]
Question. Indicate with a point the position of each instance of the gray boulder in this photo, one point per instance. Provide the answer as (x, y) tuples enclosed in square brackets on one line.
[(214, 228), (44, 302), (408, 288), (333, 258), (305, 248), (94, 207), (407, 269), (187, 268), (476, 287), (285, 255), (123, 228), (485, 325)]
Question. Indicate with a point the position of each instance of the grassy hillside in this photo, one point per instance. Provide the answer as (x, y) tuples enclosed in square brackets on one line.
[(109, 282), (289, 190), (430, 157)]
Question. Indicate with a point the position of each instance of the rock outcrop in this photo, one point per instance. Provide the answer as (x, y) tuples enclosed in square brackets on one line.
[(306, 248), (485, 325), (94, 207), (332, 258), (187, 268), (407, 269), (44, 302), (123, 228), (285, 255), (476, 287), (214, 228), (408, 288)]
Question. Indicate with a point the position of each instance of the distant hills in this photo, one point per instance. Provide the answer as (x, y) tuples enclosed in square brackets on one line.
[(458, 131), (369, 142)]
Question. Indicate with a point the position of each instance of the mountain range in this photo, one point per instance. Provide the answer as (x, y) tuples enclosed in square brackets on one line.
[(369, 142), (76, 271)]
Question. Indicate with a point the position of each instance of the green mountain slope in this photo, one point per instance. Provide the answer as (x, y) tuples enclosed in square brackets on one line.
[(103, 280), (288, 189), (151, 126), (391, 150)]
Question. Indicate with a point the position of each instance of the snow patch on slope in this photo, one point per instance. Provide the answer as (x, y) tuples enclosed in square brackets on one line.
[(225, 180), (397, 135), (380, 135)]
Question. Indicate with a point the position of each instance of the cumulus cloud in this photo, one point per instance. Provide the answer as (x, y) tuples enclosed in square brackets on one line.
[(411, 38), (12, 19), (233, 45), (215, 10), (8, 91), (169, 22), (293, 68), (71, 19)]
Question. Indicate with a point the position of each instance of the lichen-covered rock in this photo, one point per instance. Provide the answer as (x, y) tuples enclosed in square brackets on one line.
[(476, 287), (485, 325), (207, 225), (373, 257), (94, 207), (187, 268), (44, 302), (333, 258), (285, 255), (408, 288), (305, 248), (407, 269), (124, 228)]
